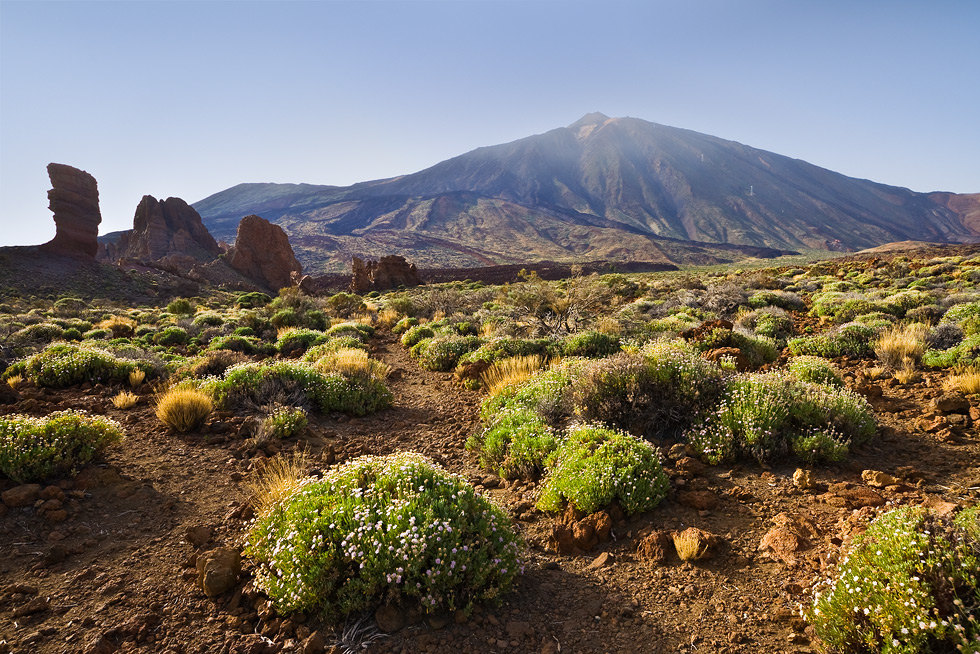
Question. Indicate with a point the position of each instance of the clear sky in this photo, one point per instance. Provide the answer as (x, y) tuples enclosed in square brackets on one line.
[(186, 98)]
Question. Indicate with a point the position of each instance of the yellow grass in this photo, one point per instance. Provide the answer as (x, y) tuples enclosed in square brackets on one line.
[(125, 400), (278, 479), (875, 373), (388, 317), (902, 346), (182, 408), (282, 331), (610, 326), (689, 545), (14, 381), (963, 379), (514, 370), (119, 326), (352, 362), (906, 376), (136, 377)]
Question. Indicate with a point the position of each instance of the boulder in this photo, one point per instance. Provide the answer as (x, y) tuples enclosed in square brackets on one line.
[(788, 536), (218, 570), (655, 547), (263, 254), (74, 200), (169, 231), (390, 272)]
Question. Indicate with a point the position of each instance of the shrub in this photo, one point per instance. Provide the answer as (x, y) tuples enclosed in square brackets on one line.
[(499, 348), (236, 343), (332, 345), (208, 319), (346, 305), (756, 350), (815, 370), (841, 307), (383, 529), (944, 336), (908, 584), (442, 353), (595, 466), (852, 339), (768, 416), (181, 307), (296, 382), (287, 317), (182, 408), (965, 379), (352, 363), (42, 331), (212, 363), (962, 354), (772, 323), (35, 449), (171, 336), (125, 400), (403, 325), (69, 306), (591, 344), (284, 422), (515, 444), (99, 334), (253, 300), (294, 342), (120, 326), (783, 299), (66, 364), (413, 335), (356, 330), (655, 393), (511, 371)]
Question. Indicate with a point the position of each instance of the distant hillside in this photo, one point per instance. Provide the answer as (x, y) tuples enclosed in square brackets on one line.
[(602, 188)]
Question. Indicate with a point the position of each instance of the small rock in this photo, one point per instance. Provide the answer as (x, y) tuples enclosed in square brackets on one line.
[(218, 570), (940, 506), (803, 480), (517, 629), (677, 451), (654, 547), (36, 605), (601, 561), (689, 466), (56, 554), (699, 500), (951, 403), (878, 479), (20, 496), (389, 618), (198, 535), (315, 644)]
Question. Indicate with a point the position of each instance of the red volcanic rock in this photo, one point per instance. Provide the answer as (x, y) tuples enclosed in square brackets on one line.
[(169, 229), (263, 254), (390, 272), (74, 199)]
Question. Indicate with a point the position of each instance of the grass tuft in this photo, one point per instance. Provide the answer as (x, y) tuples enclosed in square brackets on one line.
[(125, 400), (511, 372), (183, 408)]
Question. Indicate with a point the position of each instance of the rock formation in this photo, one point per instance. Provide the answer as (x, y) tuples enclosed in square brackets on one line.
[(168, 229), (391, 272), (263, 254), (74, 199)]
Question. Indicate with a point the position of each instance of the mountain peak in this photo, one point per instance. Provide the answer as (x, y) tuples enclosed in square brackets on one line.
[(594, 118)]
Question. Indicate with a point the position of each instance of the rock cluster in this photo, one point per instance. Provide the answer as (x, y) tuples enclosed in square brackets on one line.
[(74, 199), (168, 229), (390, 272), (263, 254)]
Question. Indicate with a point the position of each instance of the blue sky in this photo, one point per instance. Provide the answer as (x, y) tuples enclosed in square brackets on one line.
[(188, 98)]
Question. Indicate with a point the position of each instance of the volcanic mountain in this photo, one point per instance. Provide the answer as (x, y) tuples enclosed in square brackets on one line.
[(601, 188)]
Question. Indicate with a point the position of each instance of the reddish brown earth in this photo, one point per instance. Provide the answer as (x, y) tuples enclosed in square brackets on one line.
[(105, 563)]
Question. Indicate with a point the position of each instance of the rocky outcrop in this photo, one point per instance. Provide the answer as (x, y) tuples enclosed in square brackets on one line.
[(262, 253), (168, 230), (390, 272), (74, 199)]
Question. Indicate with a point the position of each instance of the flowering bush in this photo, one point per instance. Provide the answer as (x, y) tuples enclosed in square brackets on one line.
[(815, 370), (284, 422), (852, 339), (595, 466), (381, 529), (590, 344), (416, 333), (34, 449), (514, 444), (442, 353), (65, 364), (909, 585), (293, 342)]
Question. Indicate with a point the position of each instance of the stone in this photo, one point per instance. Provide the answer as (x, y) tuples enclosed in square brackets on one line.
[(389, 272), (601, 561), (262, 253), (518, 629), (572, 536), (699, 500), (218, 570), (654, 547), (8, 395), (856, 497), (878, 479), (786, 539), (689, 466), (389, 618), (20, 496), (198, 535), (803, 480), (951, 403), (74, 200), (169, 231), (314, 644), (940, 506)]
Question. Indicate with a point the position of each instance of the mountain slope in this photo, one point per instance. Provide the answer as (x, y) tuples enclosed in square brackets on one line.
[(601, 188)]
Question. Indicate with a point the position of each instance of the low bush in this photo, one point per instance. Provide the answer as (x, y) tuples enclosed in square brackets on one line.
[(500, 348), (515, 444), (965, 353), (908, 585), (757, 350), (773, 323), (815, 370), (404, 324), (208, 319), (171, 336), (183, 407), (782, 299), (442, 353), (902, 346), (65, 364), (293, 342), (413, 335), (36, 449), (181, 307), (284, 422), (332, 345), (236, 343), (770, 416), (253, 300), (210, 364), (42, 331), (357, 330), (590, 344), (380, 529), (595, 466), (852, 339)]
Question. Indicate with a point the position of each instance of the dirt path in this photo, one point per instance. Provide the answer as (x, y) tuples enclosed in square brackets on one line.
[(116, 571)]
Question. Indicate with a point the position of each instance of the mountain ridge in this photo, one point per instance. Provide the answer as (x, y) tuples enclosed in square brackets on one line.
[(600, 188)]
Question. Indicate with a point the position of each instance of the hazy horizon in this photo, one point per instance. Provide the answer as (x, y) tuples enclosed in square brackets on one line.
[(187, 99)]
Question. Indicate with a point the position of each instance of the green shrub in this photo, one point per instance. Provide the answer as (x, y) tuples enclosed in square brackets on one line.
[(757, 350), (546, 395), (499, 348), (181, 307), (654, 393), (402, 325), (285, 422), (380, 529), (346, 305), (171, 336), (287, 317), (253, 300), (235, 343), (416, 333), (208, 319), (852, 339), (769, 416), (815, 370), (210, 364), (515, 443), (908, 585), (595, 466), (963, 354), (332, 345), (841, 307), (783, 299), (442, 353), (42, 331), (960, 312), (99, 334), (65, 364), (356, 330), (296, 382), (773, 323), (36, 449), (590, 344), (70, 306), (297, 341)]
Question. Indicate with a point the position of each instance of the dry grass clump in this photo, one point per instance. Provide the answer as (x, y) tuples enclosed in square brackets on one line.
[(14, 381), (183, 408), (690, 544), (902, 346), (136, 377), (876, 373), (907, 376), (125, 400), (388, 317), (352, 362), (965, 379), (120, 326), (513, 370), (276, 480)]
